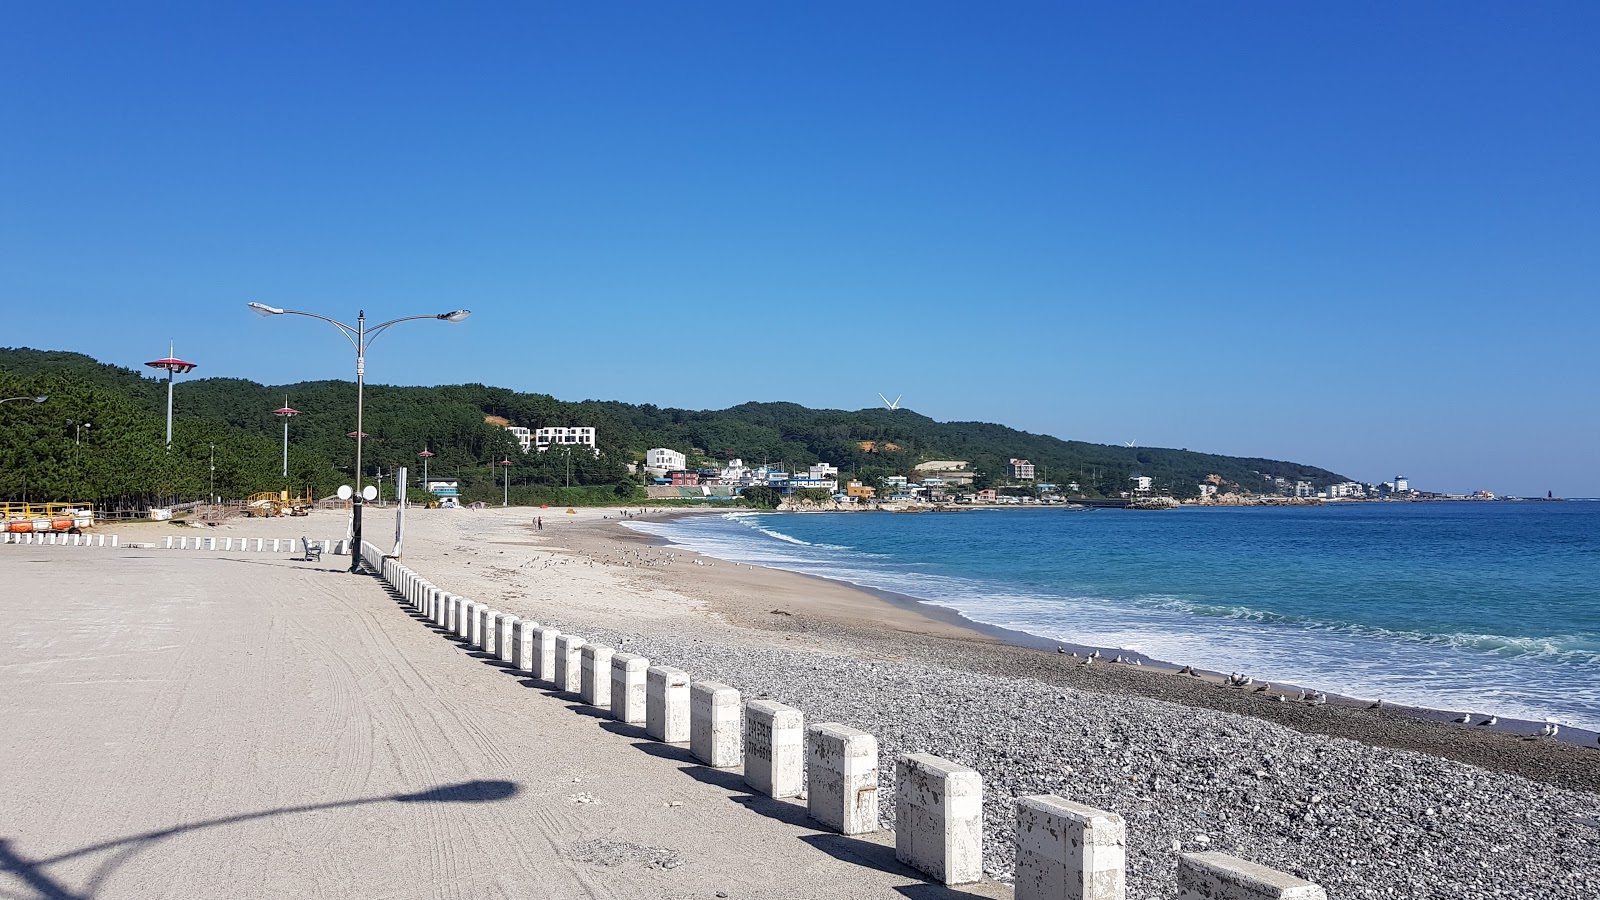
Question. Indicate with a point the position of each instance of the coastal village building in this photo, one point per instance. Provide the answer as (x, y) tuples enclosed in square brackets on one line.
[(685, 479), (953, 471), (523, 436), (1303, 489), (1207, 490), (1020, 470), (988, 496), (665, 458), (1402, 484), (823, 470), (858, 491), (581, 436), (1141, 483), (894, 484)]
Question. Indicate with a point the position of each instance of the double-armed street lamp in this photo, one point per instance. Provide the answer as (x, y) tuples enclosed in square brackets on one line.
[(360, 338)]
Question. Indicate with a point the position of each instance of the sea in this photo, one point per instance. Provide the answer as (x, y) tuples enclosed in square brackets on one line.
[(1485, 607)]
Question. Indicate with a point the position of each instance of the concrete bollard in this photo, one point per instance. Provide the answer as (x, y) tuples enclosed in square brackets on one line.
[(114, 539), (469, 615), (261, 545), (211, 544), (183, 542), (544, 653), (594, 685), (716, 735), (275, 545), (505, 645), (523, 646), (436, 615), (76, 539), (938, 818), (452, 614), (1068, 851), (627, 688), (569, 663), (486, 630), (842, 778), (666, 704), (1217, 876), (229, 545), (774, 748)]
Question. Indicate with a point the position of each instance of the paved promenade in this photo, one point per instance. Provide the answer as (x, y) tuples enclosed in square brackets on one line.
[(209, 725)]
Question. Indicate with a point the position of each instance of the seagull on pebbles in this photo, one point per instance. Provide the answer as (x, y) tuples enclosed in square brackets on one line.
[(1465, 720)]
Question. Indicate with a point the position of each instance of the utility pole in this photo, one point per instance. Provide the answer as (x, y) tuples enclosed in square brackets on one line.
[(213, 473)]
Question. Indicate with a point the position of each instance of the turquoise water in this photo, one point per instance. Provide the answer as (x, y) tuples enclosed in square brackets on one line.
[(1488, 607)]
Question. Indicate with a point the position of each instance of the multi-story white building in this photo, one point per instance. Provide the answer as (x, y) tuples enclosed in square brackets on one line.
[(1402, 484), (523, 436), (581, 436), (1208, 490), (1303, 489), (823, 470), (1141, 483), (665, 458), (1020, 470)]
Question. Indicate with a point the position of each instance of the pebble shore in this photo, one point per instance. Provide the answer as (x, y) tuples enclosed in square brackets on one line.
[(1359, 820)]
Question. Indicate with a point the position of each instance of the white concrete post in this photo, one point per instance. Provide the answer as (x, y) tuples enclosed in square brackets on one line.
[(842, 778), (1068, 851), (114, 539), (439, 599), (211, 544), (544, 657), (774, 748), (627, 687), (228, 545), (505, 646), (1218, 876), (938, 826), (716, 735), (569, 663), (484, 633), (261, 544), (452, 614), (523, 646), (76, 539), (183, 542), (594, 685), (469, 614), (666, 704)]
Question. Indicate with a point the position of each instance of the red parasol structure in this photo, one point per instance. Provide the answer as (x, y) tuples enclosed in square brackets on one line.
[(285, 414), (172, 365)]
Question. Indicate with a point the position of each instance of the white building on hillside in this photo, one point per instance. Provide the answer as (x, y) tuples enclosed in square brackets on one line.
[(1020, 470), (545, 438), (1141, 483), (523, 436), (823, 470), (665, 458)]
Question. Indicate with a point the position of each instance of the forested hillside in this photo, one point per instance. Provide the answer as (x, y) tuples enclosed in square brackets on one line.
[(121, 454)]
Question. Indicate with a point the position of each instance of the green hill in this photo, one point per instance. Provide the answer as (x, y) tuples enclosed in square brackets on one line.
[(121, 457)]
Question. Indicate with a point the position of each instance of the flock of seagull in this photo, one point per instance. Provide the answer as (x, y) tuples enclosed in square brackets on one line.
[(1310, 698)]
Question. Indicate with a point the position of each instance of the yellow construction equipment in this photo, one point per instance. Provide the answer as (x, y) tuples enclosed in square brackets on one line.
[(267, 504)]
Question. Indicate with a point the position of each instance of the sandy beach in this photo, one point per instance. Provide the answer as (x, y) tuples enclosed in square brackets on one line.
[(1368, 803)]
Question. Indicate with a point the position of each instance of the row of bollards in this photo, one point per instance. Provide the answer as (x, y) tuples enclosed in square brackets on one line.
[(1065, 850)]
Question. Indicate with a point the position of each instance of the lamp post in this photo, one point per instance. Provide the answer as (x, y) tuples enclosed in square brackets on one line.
[(380, 485), (285, 414), (360, 338), (31, 399), (172, 366), (505, 499), (426, 454), (213, 497)]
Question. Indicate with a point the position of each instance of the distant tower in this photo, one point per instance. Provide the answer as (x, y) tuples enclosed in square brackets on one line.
[(173, 366), (1401, 484)]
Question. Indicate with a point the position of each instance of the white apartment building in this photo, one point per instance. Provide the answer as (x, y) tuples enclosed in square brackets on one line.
[(665, 458), (1303, 489), (1020, 469), (1402, 484), (1141, 483), (1208, 490), (581, 436), (523, 436)]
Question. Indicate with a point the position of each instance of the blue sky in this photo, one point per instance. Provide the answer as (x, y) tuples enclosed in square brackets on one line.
[(1358, 235)]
